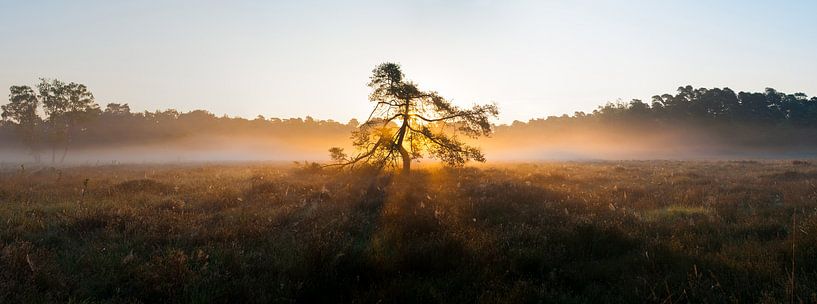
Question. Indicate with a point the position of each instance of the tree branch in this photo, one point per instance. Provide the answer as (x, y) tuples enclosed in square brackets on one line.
[(357, 159), (432, 139)]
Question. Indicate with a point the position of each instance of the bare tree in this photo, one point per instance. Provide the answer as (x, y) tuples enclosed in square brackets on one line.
[(407, 123)]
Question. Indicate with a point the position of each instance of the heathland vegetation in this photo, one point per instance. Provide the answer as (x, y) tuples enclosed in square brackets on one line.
[(615, 232)]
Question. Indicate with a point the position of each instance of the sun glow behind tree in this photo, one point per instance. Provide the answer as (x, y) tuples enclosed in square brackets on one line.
[(408, 123)]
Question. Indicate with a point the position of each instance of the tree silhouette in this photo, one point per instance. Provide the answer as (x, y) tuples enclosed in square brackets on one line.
[(117, 110), (66, 106), (22, 112), (407, 123)]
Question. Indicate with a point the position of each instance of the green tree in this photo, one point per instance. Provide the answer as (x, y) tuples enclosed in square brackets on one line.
[(407, 123), (21, 111)]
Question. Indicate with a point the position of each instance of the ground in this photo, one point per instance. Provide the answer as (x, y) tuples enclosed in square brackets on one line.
[(635, 231)]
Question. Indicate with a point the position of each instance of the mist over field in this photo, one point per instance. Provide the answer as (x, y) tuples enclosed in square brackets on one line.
[(691, 124), (194, 149), (509, 144)]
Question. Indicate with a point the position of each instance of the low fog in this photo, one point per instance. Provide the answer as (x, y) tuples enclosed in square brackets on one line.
[(630, 143), (692, 124), (186, 150), (507, 144)]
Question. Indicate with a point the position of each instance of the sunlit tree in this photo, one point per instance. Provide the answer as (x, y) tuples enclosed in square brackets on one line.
[(408, 123)]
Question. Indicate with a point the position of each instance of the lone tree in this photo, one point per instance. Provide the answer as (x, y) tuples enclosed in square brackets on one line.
[(407, 123)]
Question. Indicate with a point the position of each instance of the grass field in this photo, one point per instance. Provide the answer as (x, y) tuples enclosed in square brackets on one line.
[(652, 231)]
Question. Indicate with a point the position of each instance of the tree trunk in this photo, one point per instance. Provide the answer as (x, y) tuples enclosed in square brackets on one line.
[(403, 152), (403, 130), (66, 144), (64, 152), (406, 160)]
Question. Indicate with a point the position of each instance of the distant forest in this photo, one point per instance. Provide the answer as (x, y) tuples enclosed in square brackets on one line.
[(54, 117), (690, 119)]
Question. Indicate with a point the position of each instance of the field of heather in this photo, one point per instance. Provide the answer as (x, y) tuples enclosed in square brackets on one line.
[(635, 231)]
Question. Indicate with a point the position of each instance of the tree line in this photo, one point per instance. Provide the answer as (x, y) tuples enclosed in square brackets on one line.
[(65, 105), (53, 117), (724, 105), (769, 121)]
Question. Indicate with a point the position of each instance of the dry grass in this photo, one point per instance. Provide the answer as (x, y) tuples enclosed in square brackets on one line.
[(656, 231)]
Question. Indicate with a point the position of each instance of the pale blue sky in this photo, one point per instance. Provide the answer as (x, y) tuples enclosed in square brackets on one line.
[(298, 58)]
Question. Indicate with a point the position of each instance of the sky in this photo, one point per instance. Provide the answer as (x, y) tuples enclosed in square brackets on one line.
[(297, 58)]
